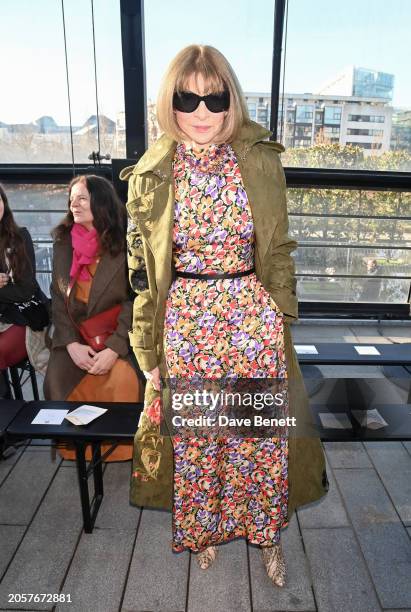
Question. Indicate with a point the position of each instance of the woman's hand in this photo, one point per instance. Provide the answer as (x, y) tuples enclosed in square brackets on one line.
[(82, 355), (154, 377), (103, 362), (4, 279)]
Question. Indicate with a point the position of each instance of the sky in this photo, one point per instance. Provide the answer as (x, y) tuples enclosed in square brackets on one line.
[(323, 36)]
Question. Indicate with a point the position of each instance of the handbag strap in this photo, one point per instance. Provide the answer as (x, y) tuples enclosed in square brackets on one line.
[(67, 297)]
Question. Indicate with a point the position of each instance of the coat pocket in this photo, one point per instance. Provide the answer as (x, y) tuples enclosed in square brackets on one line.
[(139, 209), (275, 306)]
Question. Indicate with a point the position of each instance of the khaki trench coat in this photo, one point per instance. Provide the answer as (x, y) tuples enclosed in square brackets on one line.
[(150, 208), (110, 286)]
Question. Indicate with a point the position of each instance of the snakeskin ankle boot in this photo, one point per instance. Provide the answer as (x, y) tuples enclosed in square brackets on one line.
[(206, 557), (274, 562)]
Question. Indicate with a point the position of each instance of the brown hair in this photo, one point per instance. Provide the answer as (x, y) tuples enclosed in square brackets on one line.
[(217, 74), (11, 243), (109, 214)]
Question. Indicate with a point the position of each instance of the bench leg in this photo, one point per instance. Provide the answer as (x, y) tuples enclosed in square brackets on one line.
[(15, 381), (33, 379), (97, 470), (82, 480), (89, 511), (5, 384)]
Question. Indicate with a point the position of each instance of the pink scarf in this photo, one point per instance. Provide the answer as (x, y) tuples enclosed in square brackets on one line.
[(85, 247)]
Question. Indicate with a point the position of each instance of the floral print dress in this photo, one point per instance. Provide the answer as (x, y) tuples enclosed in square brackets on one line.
[(224, 487)]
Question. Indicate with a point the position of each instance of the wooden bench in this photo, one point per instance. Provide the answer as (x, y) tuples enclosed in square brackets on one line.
[(8, 411), (354, 390), (344, 353), (18, 379), (118, 424)]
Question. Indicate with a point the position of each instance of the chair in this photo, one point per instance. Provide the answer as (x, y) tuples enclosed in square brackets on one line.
[(19, 374)]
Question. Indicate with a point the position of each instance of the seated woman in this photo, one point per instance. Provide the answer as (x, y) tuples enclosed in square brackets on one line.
[(89, 264), (22, 303)]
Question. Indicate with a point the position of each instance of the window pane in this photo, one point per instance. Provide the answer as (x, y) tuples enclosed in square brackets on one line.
[(39, 223), (345, 260), (34, 121), (44, 256), (388, 233), (392, 291), (34, 117), (110, 88), (44, 281), (242, 33), (349, 202), (39, 208), (337, 244), (37, 197), (342, 63)]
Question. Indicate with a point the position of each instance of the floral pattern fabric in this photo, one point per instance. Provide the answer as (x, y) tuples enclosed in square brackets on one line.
[(224, 487)]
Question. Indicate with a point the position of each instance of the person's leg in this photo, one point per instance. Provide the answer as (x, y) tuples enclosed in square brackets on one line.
[(12, 346)]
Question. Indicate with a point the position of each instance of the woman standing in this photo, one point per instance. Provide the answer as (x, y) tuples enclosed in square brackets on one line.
[(90, 278), (22, 303), (210, 264)]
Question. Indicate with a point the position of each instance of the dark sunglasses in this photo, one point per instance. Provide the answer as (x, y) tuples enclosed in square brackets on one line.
[(187, 102)]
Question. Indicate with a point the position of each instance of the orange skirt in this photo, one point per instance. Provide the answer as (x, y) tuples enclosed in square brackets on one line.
[(121, 384)]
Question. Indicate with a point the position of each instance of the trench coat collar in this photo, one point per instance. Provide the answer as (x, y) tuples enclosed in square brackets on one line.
[(155, 209), (158, 158)]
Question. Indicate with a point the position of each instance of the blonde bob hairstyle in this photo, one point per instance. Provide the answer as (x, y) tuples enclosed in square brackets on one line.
[(218, 75)]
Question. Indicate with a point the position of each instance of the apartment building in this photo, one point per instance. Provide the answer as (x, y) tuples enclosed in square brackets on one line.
[(352, 108)]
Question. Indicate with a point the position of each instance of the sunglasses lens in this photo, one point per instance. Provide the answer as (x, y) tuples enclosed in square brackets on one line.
[(217, 103), (185, 101)]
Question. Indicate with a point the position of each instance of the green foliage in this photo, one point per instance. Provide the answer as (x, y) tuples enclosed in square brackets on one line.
[(350, 218), (336, 155)]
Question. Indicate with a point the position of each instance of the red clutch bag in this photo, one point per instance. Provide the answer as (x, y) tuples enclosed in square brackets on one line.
[(98, 328), (95, 330)]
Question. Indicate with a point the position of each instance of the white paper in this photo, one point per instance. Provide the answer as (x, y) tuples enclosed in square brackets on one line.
[(367, 350), (305, 349), (85, 414), (369, 418), (47, 416), (335, 420)]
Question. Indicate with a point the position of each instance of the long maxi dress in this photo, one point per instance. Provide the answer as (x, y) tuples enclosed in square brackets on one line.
[(227, 487)]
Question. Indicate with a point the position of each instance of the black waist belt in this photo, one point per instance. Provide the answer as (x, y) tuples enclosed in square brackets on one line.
[(215, 276)]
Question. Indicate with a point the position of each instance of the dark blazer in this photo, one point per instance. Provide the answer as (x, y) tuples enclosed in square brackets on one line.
[(110, 286), (36, 313), (24, 289)]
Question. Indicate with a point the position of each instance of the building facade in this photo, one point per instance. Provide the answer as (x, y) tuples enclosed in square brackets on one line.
[(352, 108), (308, 119)]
